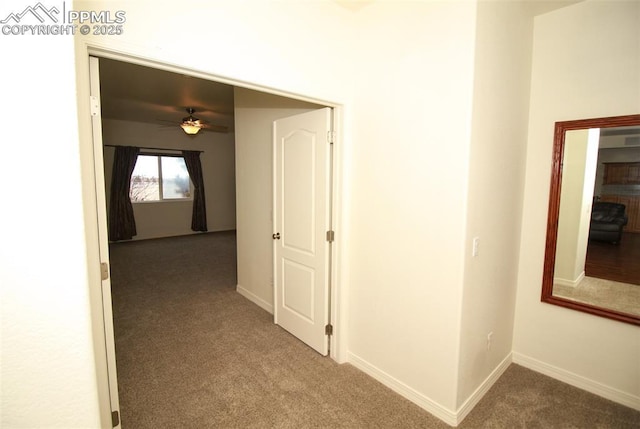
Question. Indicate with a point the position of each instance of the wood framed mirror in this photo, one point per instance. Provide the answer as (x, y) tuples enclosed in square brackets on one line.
[(590, 266)]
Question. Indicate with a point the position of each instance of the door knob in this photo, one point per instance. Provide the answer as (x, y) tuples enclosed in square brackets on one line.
[(276, 236)]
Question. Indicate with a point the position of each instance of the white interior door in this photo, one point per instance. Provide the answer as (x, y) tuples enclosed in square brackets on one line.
[(96, 122), (302, 217)]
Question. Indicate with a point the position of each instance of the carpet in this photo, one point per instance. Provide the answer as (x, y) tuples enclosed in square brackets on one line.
[(193, 353)]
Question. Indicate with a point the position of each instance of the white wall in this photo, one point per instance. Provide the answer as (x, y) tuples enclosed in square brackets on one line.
[(576, 74), (408, 179), (47, 362), (171, 218), (495, 184), (254, 116), (576, 195)]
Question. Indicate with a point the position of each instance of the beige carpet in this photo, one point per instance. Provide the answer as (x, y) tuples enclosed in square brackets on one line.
[(618, 296), (193, 353)]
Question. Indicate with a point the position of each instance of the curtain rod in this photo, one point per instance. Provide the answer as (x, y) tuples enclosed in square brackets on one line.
[(154, 148)]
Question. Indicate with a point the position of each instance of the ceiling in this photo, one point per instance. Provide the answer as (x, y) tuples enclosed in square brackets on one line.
[(536, 7), (620, 137), (142, 94)]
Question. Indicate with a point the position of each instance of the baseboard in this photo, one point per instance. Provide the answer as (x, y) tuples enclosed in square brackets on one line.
[(578, 381), (402, 389), (571, 283), (141, 237), (254, 298), (479, 393)]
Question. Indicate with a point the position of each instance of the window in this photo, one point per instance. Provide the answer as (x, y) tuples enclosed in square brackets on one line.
[(159, 178)]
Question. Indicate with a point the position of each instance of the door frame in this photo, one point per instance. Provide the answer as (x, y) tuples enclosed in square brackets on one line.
[(96, 217)]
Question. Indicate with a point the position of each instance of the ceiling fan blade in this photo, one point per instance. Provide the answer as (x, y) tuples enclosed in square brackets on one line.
[(216, 128), (192, 120), (168, 125)]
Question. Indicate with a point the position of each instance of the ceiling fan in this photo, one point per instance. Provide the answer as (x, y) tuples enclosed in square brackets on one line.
[(192, 125)]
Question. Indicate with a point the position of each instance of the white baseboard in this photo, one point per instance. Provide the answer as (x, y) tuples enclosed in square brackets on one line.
[(255, 299), (571, 283), (578, 381), (402, 389), (479, 393)]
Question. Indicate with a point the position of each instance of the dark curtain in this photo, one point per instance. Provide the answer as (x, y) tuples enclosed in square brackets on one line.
[(122, 225), (199, 214)]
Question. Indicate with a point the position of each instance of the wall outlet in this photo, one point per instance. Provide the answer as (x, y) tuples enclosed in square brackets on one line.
[(489, 340), (476, 246)]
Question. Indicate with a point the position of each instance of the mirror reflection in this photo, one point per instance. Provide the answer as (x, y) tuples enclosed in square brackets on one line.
[(592, 260), (598, 242)]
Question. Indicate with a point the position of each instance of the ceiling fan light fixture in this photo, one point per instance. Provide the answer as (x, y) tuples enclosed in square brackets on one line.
[(190, 128), (191, 125)]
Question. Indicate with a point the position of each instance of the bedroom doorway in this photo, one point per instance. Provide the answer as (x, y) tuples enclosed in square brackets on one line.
[(102, 222)]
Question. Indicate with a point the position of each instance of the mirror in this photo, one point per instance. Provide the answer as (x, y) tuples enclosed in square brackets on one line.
[(592, 254)]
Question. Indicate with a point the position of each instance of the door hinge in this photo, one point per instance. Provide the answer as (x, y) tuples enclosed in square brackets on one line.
[(95, 105), (115, 418), (331, 136), (328, 329), (104, 270), (331, 235)]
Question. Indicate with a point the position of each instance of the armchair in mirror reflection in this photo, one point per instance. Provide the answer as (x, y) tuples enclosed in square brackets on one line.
[(607, 221)]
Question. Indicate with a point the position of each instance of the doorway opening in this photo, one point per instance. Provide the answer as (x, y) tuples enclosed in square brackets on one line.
[(134, 118)]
